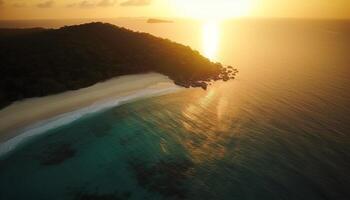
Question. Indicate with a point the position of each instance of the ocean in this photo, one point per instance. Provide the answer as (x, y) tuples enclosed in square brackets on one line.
[(280, 130)]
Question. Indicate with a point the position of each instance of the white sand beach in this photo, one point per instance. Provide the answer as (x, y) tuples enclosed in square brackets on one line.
[(20, 116)]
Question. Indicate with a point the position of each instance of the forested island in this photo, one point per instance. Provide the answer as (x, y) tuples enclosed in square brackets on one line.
[(155, 21), (38, 62)]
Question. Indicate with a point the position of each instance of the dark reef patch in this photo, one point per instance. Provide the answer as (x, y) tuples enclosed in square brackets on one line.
[(130, 138), (165, 177), (99, 129), (96, 196), (57, 154)]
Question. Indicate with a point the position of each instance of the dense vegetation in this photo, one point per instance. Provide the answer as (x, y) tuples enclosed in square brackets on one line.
[(38, 62), (152, 21)]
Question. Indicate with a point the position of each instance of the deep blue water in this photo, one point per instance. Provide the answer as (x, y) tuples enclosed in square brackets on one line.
[(279, 131)]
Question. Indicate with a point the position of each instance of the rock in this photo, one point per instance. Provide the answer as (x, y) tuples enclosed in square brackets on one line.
[(201, 84), (182, 83), (204, 80)]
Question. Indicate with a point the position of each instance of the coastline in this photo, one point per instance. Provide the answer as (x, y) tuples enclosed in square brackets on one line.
[(33, 116)]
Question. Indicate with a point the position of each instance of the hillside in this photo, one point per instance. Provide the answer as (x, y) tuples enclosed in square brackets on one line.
[(39, 62)]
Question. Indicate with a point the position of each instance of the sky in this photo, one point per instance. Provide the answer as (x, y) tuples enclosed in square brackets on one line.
[(198, 9)]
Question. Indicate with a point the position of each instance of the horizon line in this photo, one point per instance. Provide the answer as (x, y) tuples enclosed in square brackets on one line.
[(178, 18)]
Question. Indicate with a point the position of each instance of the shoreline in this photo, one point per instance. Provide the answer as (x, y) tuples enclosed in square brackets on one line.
[(24, 119)]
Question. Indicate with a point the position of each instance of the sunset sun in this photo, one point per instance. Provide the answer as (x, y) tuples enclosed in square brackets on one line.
[(213, 10)]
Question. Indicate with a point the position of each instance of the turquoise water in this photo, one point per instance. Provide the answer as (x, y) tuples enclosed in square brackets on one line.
[(279, 131)]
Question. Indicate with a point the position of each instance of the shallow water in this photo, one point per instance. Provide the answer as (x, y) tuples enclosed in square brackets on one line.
[(279, 131)]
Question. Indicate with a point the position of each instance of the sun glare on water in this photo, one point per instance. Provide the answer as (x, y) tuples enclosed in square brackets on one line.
[(212, 12), (211, 37)]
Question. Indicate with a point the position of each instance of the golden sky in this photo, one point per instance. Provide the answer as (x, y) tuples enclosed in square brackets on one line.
[(208, 9)]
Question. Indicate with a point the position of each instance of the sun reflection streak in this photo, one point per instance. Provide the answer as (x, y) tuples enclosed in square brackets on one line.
[(211, 37), (207, 137)]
